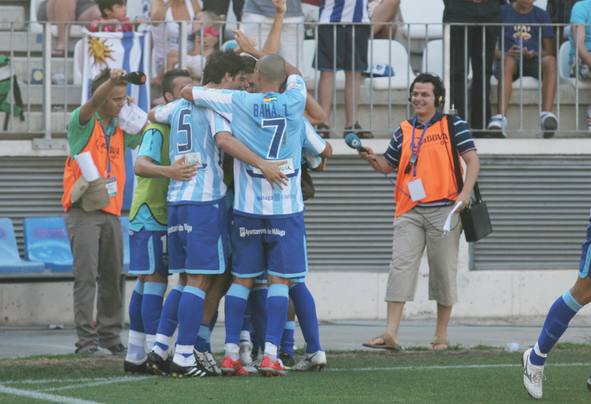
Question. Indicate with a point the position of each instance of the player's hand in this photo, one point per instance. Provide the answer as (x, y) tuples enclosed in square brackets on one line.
[(272, 172), (117, 74), (280, 6), (181, 171), (244, 43)]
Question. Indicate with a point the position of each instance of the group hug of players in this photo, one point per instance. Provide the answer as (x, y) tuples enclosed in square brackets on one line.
[(252, 250)]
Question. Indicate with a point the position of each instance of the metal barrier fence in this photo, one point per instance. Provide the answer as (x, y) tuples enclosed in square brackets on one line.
[(51, 88)]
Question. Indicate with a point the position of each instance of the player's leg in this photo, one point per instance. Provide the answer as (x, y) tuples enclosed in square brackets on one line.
[(258, 302), (136, 353), (217, 289), (159, 355), (287, 338), (247, 253), (560, 314), (205, 227), (287, 260)]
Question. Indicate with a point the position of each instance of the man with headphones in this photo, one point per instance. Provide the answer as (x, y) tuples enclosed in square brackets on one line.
[(425, 194)]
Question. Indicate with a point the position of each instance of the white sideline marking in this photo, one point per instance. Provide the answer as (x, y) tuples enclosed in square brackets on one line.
[(47, 381), (437, 367), (110, 380), (43, 396)]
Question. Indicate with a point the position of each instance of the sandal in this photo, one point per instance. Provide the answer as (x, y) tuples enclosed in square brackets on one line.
[(387, 343), (439, 344), (323, 130)]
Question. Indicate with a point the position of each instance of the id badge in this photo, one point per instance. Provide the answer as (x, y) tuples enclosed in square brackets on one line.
[(111, 187), (416, 190)]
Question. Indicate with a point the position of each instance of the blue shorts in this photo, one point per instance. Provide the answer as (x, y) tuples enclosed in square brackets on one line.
[(585, 262), (197, 237), (148, 253), (274, 245)]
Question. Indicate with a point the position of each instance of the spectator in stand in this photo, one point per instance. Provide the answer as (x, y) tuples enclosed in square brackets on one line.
[(342, 19), (522, 53), (479, 12), (220, 7), (66, 11), (114, 17), (382, 14), (580, 43), (166, 36), (258, 17)]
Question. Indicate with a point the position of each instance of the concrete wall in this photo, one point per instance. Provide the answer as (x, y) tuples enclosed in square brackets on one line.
[(346, 295)]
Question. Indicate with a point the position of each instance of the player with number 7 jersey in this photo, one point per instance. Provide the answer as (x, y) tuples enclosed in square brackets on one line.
[(268, 233)]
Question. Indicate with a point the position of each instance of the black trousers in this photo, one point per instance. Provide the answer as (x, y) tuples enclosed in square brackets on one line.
[(221, 7), (481, 58)]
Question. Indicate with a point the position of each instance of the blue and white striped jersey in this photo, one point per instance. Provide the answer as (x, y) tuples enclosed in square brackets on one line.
[(272, 126), (314, 144), (192, 132), (343, 11)]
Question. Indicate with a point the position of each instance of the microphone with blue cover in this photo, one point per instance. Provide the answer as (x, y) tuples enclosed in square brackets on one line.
[(354, 142)]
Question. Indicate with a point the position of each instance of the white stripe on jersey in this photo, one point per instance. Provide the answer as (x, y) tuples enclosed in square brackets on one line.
[(343, 11), (267, 202)]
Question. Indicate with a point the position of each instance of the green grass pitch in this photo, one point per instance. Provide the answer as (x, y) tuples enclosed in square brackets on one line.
[(479, 375)]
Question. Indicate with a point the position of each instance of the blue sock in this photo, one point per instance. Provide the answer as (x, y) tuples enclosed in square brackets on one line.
[(258, 313), (287, 339), (136, 351), (203, 338), (190, 316), (277, 304), (305, 309), (152, 306), (235, 306), (135, 307), (560, 314), (168, 319)]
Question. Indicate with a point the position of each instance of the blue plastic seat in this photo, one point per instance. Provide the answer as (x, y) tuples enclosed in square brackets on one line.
[(46, 241), (10, 261), (124, 220)]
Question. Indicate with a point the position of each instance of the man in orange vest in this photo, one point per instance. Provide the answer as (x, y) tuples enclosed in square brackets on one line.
[(95, 233), (425, 194)]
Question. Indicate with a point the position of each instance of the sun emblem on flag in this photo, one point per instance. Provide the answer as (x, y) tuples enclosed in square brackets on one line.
[(99, 50)]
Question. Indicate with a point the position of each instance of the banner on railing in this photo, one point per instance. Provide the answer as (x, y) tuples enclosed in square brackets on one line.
[(124, 50)]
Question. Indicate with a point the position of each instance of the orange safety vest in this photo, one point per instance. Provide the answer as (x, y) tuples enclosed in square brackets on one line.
[(434, 166), (98, 149)]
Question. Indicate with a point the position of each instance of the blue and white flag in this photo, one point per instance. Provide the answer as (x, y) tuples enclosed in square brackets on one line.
[(124, 50)]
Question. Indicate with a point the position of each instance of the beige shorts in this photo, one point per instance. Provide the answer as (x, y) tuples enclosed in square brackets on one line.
[(413, 231)]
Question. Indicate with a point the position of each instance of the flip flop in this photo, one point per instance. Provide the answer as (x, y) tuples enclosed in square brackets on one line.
[(388, 343), (439, 344)]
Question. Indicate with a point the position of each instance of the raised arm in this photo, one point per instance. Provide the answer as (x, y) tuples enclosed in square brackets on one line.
[(377, 161), (273, 42), (91, 106), (180, 170)]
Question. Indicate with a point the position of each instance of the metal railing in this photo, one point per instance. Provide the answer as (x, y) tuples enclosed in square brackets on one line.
[(383, 100)]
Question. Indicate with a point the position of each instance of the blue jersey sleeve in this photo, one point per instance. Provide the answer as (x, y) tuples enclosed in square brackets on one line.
[(218, 100), (152, 145), (217, 123), (295, 90), (313, 143), (392, 154)]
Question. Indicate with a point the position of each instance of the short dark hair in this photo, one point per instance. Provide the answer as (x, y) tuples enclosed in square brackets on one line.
[(108, 4), (103, 76), (248, 64), (168, 79), (438, 88), (220, 63)]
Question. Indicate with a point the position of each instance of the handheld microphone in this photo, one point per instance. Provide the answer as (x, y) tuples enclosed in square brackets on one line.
[(138, 78), (353, 141)]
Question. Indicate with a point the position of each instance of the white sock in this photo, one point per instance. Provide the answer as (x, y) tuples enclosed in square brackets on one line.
[(136, 352), (233, 350), (271, 350), (183, 355)]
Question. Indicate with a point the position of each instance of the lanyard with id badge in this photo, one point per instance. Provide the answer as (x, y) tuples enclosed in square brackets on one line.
[(415, 186), (111, 183)]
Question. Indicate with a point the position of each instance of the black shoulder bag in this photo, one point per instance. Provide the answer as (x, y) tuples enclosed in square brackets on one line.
[(475, 218)]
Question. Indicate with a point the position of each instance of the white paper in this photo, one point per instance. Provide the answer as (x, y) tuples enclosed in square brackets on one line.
[(286, 168), (132, 118), (447, 224), (86, 164)]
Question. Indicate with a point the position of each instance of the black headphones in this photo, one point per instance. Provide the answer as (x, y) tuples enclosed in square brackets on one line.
[(438, 88)]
